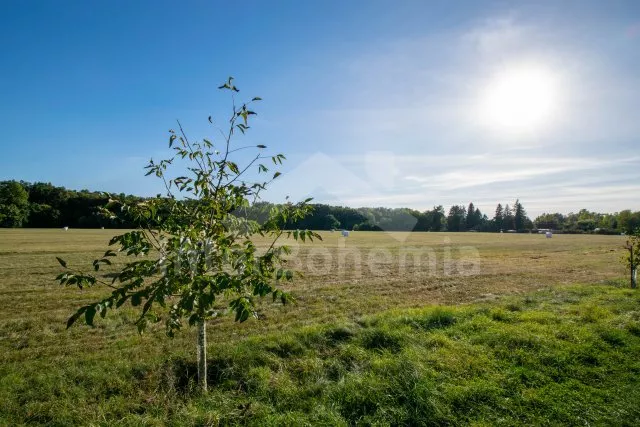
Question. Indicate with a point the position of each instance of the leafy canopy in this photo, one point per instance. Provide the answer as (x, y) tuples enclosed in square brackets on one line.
[(14, 204), (193, 247)]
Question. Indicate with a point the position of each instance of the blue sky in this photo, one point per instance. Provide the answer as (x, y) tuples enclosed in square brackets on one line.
[(374, 103)]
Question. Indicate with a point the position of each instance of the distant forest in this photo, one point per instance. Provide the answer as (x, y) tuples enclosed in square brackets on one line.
[(43, 205)]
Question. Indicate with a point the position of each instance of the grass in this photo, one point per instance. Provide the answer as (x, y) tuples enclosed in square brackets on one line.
[(542, 333)]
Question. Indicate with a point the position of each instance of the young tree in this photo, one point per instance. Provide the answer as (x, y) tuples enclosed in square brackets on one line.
[(632, 259), (195, 252)]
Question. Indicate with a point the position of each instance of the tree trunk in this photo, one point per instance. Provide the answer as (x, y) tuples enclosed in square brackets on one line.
[(202, 355), (633, 266)]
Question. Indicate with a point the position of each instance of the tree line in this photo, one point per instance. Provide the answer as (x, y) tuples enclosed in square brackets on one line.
[(43, 205), (586, 221)]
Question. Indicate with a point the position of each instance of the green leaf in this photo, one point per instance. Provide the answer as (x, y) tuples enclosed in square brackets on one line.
[(62, 262), (121, 301), (147, 305), (193, 319), (89, 315), (75, 316), (136, 299), (233, 167)]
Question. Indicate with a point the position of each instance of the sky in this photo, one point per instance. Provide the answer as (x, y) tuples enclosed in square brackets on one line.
[(375, 103)]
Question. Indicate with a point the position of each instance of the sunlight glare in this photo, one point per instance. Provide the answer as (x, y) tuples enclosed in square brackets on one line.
[(520, 99)]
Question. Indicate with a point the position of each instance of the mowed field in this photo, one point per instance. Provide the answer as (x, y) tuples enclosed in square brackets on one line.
[(109, 374), (343, 277)]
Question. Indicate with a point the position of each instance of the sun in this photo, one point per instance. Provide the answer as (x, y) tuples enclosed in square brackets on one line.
[(520, 99)]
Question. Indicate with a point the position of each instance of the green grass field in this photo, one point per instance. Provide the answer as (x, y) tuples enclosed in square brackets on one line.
[(485, 329)]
